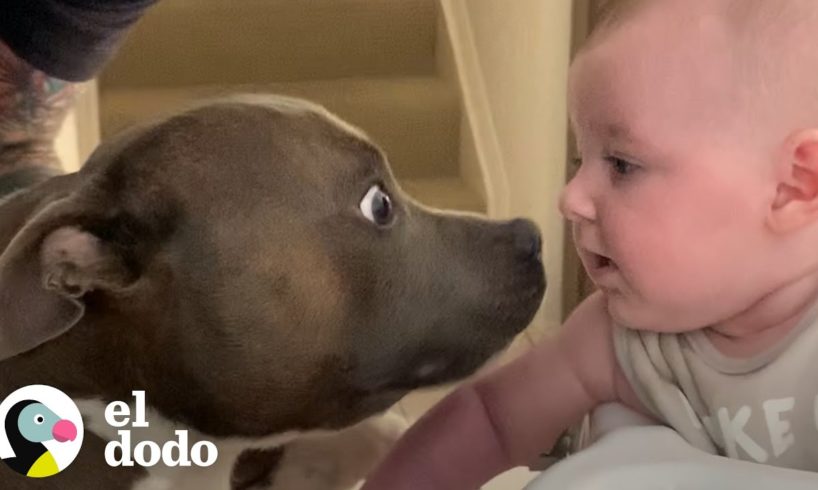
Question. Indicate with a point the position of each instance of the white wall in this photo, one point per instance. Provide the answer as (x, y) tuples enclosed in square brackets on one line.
[(67, 143), (523, 52), (79, 134)]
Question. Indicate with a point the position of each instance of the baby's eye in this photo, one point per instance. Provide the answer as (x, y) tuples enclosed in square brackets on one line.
[(620, 167)]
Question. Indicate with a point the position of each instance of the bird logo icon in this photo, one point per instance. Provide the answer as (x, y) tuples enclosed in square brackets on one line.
[(42, 429)]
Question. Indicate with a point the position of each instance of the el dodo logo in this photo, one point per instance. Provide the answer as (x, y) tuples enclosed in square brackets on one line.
[(41, 431)]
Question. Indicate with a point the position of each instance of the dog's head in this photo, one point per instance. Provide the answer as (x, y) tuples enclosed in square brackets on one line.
[(255, 258)]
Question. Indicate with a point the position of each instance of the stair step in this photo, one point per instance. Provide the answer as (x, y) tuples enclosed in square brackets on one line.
[(187, 42), (444, 193), (415, 120)]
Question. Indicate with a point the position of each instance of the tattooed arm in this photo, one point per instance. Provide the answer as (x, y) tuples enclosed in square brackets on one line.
[(32, 109), (42, 43)]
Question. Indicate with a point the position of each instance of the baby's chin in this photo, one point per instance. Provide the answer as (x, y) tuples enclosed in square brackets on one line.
[(643, 317)]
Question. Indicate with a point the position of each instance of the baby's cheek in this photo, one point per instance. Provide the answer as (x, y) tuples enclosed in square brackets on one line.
[(661, 282)]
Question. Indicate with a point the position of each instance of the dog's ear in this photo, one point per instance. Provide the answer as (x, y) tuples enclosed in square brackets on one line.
[(45, 270)]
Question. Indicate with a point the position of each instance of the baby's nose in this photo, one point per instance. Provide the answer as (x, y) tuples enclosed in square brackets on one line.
[(575, 203)]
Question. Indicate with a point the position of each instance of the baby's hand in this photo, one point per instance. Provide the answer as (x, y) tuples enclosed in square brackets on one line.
[(514, 414)]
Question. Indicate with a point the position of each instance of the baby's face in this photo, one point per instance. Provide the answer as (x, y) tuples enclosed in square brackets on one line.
[(669, 204)]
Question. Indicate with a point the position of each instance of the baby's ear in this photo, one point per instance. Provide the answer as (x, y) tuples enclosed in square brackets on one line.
[(796, 198)]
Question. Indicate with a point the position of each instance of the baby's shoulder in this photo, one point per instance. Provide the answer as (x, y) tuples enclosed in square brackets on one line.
[(591, 316), (587, 342), (590, 335)]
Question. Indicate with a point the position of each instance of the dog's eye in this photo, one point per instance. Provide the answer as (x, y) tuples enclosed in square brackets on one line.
[(377, 206)]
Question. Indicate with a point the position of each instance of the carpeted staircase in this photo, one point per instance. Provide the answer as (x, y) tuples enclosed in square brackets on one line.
[(373, 62)]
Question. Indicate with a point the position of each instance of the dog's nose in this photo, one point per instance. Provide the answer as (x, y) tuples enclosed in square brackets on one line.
[(527, 239)]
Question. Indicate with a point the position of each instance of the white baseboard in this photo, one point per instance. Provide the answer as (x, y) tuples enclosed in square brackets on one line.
[(477, 110)]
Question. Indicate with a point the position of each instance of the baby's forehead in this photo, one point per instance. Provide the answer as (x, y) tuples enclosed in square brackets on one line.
[(737, 15), (645, 62), (747, 52), (674, 76), (758, 37), (664, 27), (649, 86)]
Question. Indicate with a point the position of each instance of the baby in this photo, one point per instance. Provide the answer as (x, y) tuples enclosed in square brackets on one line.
[(695, 212)]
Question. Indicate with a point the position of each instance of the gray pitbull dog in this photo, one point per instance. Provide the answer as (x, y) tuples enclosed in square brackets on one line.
[(253, 266)]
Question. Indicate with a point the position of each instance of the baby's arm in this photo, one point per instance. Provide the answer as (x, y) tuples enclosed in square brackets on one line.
[(514, 414)]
